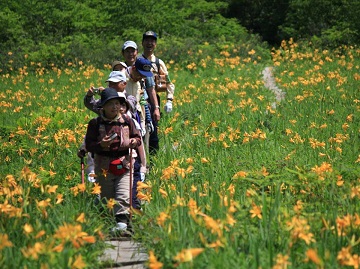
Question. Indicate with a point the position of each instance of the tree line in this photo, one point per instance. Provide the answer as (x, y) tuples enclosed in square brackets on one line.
[(56, 32)]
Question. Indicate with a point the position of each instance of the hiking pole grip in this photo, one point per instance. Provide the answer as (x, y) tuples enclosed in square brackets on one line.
[(82, 170)]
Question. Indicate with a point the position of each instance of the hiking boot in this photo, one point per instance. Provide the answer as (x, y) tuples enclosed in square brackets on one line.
[(120, 227)]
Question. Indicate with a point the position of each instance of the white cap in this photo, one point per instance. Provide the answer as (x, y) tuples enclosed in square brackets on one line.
[(116, 76), (129, 44)]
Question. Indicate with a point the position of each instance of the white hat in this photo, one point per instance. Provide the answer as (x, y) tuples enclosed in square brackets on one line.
[(116, 76), (129, 44)]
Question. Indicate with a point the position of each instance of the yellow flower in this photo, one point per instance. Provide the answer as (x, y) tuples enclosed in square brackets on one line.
[(74, 234), (39, 234), (256, 211), (312, 255), (44, 203), (4, 241), (141, 186), (225, 145), (204, 160), (104, 172), (28, 228), (168, 173), (355, 192), (187, 255), (217, 244), (51, 189), (193, 188), (110, 203), (264, 172), (230, 220), (81, 218), (162, 218), (78, 263), (153, 262), (82, 187), (344, 255), (163, 193), (96, 189), (59, 198), (282, 262), (213, 225), (239, 175), (143, 196)]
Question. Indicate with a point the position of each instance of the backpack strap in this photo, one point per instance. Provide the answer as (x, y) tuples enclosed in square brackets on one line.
[(101, 124), (157, 62)]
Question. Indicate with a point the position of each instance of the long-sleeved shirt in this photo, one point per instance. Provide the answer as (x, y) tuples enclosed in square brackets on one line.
[(99, 127)]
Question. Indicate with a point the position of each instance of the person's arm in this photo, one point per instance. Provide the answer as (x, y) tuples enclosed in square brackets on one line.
[(91, 138), (170, 87), (135, 136), (150, 89), (90, 102)]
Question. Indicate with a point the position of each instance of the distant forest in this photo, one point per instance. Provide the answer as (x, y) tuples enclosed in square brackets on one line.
[(53, 32)]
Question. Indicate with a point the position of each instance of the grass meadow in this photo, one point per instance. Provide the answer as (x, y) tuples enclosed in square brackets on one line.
[(238, 182)]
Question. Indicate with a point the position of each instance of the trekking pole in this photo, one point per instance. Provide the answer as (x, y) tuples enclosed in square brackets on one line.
[(131, 182), (82, 170)]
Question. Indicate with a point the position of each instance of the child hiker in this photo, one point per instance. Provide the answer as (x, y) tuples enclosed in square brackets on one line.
[(117, 81), (110, 137)]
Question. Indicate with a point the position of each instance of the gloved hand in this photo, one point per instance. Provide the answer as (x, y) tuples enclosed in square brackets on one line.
[(81, 153), (143, 131), (150, 127), (168, 106), (142, 177)]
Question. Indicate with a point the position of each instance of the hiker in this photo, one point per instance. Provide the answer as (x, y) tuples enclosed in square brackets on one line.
[(118, 66), (162, 81), (129, 52), (109, 137), (117, 81)]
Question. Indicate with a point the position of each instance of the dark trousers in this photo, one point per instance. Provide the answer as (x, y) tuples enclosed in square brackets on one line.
[(153, 138), (136, 178)]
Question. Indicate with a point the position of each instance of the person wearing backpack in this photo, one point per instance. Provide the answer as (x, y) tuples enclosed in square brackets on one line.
[(110, 137), (162, 81), (117, 80)]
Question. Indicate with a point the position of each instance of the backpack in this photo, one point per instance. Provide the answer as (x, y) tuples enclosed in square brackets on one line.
[(160, 80)]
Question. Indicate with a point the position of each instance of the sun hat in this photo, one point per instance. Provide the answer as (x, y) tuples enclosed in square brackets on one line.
[(129, 44), (115, 63), (108, 94), (116, 76), (144, 67), (150, 34)]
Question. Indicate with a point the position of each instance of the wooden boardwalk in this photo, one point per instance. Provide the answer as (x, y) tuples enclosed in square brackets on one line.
[(124, 254)]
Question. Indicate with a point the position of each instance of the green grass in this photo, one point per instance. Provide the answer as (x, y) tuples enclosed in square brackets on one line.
[(235, 183)]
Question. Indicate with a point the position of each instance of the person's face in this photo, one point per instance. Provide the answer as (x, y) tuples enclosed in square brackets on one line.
[(112, 108), (122, 108), (149, 44), (135, 75), (118, 86), (130, 55), (119, 67)]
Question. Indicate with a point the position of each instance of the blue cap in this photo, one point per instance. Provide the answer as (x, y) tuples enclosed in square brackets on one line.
[(144, 67), (150, 34)]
